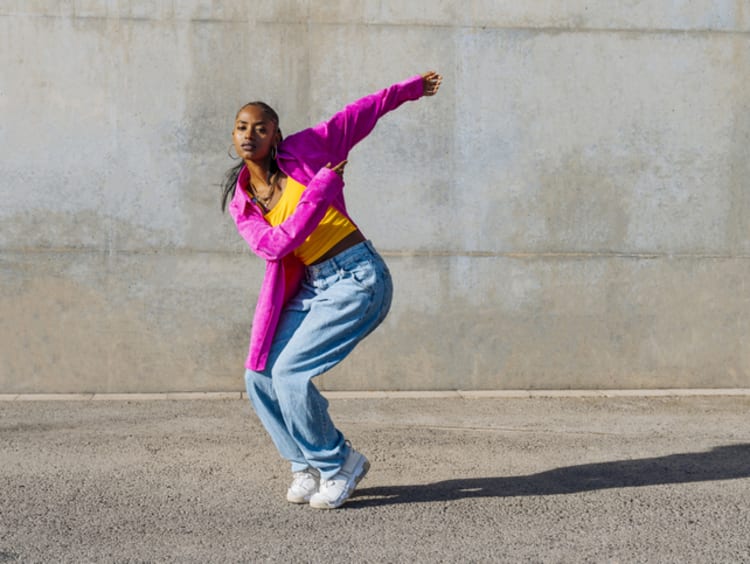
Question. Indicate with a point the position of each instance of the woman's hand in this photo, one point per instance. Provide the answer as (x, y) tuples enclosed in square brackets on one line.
[(431, 83), (339, 168)]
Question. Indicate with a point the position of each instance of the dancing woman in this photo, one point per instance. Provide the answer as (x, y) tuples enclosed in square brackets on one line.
[(325, 286)]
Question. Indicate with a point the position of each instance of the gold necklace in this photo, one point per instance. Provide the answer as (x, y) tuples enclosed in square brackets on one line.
[(263, 201)]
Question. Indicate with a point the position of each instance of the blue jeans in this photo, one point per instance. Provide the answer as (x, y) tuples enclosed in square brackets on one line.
[(339, 303)]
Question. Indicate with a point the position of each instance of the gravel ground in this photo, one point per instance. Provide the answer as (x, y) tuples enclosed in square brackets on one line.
[(452, 480)]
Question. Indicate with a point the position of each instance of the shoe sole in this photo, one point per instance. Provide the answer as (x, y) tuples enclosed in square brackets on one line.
[(357, 479), (298, 500)]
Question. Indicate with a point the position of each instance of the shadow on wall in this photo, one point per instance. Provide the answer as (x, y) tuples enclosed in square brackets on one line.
[(721, 463)]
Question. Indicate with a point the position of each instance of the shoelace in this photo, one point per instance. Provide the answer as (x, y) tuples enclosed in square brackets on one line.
[(331, 482), (299, 478)]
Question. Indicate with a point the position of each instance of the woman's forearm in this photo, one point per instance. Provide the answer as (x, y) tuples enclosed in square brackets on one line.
[(275, 242)]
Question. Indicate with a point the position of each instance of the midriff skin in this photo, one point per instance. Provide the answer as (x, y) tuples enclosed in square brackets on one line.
[(350, 240)]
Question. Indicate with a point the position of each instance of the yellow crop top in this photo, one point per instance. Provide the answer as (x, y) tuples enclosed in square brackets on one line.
[(332, 228)]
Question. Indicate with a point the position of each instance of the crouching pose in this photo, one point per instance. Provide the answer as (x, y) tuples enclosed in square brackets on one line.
[(325, 286)]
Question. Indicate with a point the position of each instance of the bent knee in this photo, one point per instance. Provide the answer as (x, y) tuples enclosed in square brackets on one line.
[(288, 381), (255, 379)]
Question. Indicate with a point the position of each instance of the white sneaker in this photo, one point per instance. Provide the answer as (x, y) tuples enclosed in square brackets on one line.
[(304, 485), (335, 491)]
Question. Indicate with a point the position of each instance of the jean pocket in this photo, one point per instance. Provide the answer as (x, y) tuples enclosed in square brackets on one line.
[(364, 275)]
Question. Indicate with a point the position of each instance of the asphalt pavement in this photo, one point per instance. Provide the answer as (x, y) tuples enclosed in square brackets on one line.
[(527, 479)]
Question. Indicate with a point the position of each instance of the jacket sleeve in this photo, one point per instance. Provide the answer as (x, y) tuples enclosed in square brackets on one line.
[(349, 126), (275, 242)]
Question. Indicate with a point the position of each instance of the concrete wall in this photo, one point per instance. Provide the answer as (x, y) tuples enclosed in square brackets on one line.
[(571, 211)]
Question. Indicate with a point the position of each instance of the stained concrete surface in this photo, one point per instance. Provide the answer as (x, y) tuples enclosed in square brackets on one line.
[(578, 479), (570, 211)]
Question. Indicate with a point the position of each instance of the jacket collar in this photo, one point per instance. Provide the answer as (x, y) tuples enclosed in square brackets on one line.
[(241, 198)]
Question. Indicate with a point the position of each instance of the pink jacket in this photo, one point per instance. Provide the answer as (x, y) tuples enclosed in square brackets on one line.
[(304, 156)]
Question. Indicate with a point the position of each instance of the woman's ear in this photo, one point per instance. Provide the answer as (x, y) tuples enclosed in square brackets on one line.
[(279, 136)]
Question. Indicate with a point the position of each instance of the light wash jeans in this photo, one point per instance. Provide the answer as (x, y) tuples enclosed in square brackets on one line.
[(340, 302)]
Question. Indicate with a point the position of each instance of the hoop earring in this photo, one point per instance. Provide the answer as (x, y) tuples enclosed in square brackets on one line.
[(229, 152)]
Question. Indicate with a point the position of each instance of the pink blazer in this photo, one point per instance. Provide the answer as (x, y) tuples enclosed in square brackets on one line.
[(304, 156)]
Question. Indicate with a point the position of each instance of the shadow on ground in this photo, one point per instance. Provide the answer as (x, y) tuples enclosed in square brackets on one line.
[(721, 463)]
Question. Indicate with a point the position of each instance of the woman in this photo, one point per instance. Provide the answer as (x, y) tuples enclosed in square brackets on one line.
[(325, 287)]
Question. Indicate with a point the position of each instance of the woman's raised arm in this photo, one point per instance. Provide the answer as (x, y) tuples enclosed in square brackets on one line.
[(336, 136)]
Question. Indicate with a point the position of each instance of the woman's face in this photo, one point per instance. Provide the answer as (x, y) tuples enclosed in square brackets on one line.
[(254, 134)]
